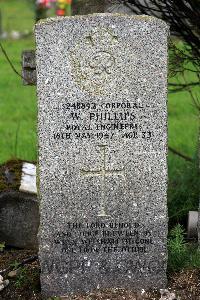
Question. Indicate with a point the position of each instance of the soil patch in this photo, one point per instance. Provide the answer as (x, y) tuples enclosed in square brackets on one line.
[(26, 286)]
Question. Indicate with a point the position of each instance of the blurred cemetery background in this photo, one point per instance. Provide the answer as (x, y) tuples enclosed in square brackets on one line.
[(18, 107)]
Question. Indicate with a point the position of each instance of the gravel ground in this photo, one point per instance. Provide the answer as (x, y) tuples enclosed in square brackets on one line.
[(25, 285)]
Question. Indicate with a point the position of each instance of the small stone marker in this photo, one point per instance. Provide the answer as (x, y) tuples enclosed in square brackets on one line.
[(19, 219), (192, 228), (28, 67), (102, 89), (19, 208), (28, 180)]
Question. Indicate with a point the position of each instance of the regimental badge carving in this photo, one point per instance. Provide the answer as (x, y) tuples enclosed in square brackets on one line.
[(93, 61)]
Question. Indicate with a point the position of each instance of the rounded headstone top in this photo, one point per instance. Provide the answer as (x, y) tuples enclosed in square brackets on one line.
[(142, 18)]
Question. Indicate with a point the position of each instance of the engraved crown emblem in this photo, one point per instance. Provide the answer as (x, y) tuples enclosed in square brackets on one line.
[(94, 61)]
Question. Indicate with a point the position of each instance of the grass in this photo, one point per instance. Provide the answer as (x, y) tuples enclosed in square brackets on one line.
[(17, 107), (17, 15), (183, 123), (18, 116), (181, 254)]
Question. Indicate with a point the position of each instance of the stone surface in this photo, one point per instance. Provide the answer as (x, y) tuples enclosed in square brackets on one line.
[(3, 283), (28, 179), (19, 219), (102, 125), (29, 67), (192, 226), (167, 295), (12, 274)]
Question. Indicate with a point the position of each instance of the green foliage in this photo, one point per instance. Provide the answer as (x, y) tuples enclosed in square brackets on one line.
[(2, 246), (27, 278), (17, 107), (177, 249), (183, 129), (194, 256), (17, 15), (22, 278), (181, 254), (183, 190), (15, 265)]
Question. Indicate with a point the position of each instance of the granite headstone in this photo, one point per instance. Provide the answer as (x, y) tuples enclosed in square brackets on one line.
[(102, 90)]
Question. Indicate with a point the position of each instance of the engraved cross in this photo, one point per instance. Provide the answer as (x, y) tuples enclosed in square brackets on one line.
[(103, 172)]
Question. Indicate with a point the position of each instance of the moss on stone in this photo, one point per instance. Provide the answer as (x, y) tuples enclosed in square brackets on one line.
[(10, 175)]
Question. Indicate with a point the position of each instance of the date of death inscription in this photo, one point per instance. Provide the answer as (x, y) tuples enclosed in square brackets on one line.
[(127, 120), (101, 237)]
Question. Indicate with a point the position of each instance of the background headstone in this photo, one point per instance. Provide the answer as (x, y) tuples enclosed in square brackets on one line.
[(29, 67), (28, 179), (19, 208), (192, 226), (19, 219), (102, 89)]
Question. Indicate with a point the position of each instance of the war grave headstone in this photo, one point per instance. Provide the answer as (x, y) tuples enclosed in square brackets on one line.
[(102, 126)]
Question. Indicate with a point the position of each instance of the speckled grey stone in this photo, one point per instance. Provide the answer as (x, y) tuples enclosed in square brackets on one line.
[(102, 90)]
